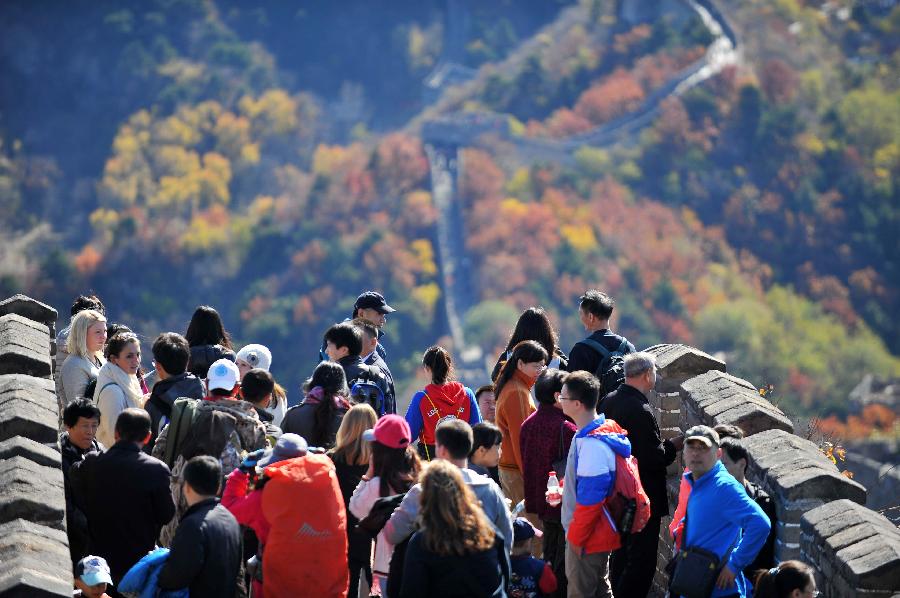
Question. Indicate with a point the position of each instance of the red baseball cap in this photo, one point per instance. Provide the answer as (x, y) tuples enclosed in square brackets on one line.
[(391, 430)]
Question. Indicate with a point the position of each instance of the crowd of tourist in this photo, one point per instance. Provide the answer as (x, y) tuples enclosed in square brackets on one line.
[(196, 479)]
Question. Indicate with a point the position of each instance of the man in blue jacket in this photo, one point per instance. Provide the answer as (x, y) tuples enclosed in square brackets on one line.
[(720, 514)]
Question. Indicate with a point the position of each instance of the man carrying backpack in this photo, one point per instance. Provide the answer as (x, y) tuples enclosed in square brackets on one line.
[(343, 345), (632, 567), (603, 351)]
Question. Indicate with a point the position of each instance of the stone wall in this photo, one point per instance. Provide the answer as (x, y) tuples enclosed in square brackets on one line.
[(34, 550), (693, 388)]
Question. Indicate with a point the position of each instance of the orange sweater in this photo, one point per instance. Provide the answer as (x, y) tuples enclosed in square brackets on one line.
[(513, 406)]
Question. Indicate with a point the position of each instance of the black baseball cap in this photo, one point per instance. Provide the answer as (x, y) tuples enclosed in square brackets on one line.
[(373, 300)]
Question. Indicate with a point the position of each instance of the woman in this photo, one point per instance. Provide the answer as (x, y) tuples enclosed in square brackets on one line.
[(790, 579), (259, 356), (393, 469), (457, 552), (525, 364), (87, 336), (118, 387), (533, 325), (319, 416), (208, 340), (440, 400), (350, 455)]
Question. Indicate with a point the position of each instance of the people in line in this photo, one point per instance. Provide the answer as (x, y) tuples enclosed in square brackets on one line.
[(319, 416), (208, 340), (351, 455), (487, 402), (514, 405), (124, 493), (393, 469), (533, 325), (87, 337), (589, 478), (259, 356), (721, 518), (118, 385), (171, 354), (529, 576), (484, 458), (632, 567), (205, 555), (443, 399), (456, 552), (595, 309), (81, 419), (545, 439)]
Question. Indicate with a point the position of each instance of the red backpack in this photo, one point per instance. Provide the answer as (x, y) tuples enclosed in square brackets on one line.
[(628, 503)]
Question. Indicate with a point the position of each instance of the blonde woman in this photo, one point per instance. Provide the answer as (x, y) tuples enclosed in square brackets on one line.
[(456, 552), (351, 460), (87, 335), (118, 387)]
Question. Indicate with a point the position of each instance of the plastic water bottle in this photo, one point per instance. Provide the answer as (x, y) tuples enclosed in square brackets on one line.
[(554, 496)]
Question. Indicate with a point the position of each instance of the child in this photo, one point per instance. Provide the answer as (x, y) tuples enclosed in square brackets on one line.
[(91, 577), (530, 577), (485, 453)]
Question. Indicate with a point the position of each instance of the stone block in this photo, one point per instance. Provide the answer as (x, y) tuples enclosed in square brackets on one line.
[(27, 307), (35, 561), (29, 408), (19, 446), (669, 419), (677, 363), (32, 492), (24, 347), (794, 469), (718, 398)]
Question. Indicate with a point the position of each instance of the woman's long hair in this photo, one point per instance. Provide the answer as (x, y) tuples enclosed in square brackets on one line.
[(398, 468), (451, 517), (780, 581), (438, 360), (329, 376), (77, 341), (349, 446), (534, 325), (206, 328), (527, 351)]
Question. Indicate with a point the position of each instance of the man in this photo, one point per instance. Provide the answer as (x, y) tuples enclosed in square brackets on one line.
[(81, 419), (735, 459), (125, 495), (370, 306), (371, 357), (205, 556), (632, 566), (257, 387), (720, 517), (487, 402), (453, 442), (343, 345), (546, 436), (589, 479), (170, 355), (484, 458), (595, 309)]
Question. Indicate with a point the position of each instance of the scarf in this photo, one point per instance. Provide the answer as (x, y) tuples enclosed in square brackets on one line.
[(111, 373), (317, 394)]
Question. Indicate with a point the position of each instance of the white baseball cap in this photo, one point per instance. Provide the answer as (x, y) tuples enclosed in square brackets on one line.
[(223, 374)]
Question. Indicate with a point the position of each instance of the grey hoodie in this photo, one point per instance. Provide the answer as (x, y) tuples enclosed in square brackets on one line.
[(403, 522)]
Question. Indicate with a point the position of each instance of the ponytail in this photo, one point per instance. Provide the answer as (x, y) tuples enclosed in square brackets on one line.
[(438, 360), (780, 581)]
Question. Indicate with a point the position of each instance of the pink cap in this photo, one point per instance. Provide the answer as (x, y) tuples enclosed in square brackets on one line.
[(391, 430)]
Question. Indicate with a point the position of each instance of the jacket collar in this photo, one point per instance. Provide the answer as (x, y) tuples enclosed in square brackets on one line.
[(206, 503), (706, 477)]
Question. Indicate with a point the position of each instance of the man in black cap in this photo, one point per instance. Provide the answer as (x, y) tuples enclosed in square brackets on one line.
[(370, 306)]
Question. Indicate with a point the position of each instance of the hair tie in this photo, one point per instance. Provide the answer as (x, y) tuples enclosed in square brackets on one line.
[(774, 571)]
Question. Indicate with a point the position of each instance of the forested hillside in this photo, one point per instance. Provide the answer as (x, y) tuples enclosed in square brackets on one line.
[(259, 157)]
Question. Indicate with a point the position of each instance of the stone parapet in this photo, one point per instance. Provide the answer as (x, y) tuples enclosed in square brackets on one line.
[(717, 398), (677, 363), (855, 551)]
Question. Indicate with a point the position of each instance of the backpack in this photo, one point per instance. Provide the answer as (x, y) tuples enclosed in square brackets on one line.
[(90, 389), (365, 389), (179, 425), (628, 503), (611, 371)]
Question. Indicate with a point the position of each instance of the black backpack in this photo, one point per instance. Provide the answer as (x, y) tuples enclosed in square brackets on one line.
[(611, 371)]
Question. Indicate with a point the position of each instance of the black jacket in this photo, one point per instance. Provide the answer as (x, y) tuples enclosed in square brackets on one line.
[(391, 396), (203, 356), (76, 521), (582, 357), (301, 419), (126, 497), (478, 575), (359, 549), (765, 558), (163, 396), (205, 555), (629, 408)]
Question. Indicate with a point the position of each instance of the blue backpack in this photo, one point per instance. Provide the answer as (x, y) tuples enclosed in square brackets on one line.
[(365, 389)]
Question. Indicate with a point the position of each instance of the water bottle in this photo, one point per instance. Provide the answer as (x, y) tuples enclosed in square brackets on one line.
[(554, 496)]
